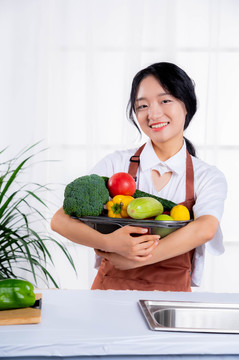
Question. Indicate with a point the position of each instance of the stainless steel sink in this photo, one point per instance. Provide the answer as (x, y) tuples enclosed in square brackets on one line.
[(191, 316)]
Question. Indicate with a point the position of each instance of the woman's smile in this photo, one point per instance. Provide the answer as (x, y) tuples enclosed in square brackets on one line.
[(158, 126)]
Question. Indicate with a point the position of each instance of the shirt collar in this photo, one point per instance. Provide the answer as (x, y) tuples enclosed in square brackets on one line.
[(149, 160)]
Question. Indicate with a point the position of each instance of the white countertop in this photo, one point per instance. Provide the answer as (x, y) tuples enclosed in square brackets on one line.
[(108, 323)]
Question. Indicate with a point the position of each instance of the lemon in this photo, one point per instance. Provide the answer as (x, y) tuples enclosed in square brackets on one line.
[(164, 217), (180, 213)]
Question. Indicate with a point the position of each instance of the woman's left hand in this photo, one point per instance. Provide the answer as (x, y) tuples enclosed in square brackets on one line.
[(189, 237), (122, 263)]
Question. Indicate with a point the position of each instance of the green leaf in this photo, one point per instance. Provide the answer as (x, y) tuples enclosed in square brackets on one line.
[(22, 246), (36, 197), (12, 178), (7, 202)]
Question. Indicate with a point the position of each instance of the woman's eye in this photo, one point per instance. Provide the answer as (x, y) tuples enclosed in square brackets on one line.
[(166, 101), (141, 107)]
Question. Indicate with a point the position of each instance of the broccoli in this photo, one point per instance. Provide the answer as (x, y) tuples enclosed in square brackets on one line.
[(85, 196)]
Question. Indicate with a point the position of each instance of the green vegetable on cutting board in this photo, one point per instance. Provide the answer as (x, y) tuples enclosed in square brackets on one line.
[(16, 293)]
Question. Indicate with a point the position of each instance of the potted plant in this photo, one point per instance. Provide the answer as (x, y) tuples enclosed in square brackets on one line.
[(23, 245)]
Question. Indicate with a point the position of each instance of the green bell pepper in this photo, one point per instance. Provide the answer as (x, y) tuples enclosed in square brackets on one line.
[(16, 293)]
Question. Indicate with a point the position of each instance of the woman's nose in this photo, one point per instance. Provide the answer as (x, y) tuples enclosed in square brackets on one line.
[(155, 111)]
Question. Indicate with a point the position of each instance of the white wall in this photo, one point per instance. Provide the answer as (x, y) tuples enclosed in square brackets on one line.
[(66, 68)]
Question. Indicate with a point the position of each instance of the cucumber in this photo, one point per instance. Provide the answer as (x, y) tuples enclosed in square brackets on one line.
[(167, 204), (144, 207)]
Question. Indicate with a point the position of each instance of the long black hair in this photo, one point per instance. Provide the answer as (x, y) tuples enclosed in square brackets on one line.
[(174, 80)]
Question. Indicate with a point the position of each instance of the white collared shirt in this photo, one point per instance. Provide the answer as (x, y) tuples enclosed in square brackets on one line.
[(210, 190)]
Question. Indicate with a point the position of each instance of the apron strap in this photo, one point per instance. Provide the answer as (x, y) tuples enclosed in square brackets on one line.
[(189, 177), (134, 164)]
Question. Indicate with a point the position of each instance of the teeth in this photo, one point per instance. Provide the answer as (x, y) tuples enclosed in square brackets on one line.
[(158, 125)]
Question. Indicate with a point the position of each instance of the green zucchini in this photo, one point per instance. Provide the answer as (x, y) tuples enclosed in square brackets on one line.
[(144, 207), (167, 204)]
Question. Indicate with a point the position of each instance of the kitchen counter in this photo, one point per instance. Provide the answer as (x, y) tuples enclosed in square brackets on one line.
[(109, 324)]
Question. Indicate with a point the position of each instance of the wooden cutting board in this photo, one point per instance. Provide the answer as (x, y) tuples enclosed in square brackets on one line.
[(29, 315)]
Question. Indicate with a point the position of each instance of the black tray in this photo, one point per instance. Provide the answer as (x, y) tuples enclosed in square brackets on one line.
[(106, 225)]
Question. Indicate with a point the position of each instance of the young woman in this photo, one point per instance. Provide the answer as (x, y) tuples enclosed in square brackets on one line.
[(162, 104)]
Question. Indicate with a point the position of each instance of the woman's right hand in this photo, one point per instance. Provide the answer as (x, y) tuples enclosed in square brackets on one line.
[(128, 241), (131, 242)]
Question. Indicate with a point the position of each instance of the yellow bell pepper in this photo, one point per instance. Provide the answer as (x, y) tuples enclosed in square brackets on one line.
[(117, 207)]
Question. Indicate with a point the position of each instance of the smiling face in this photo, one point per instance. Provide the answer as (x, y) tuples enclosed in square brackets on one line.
[(160, 115)]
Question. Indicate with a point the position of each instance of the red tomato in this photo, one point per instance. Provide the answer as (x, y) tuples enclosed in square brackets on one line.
[(121, 184)]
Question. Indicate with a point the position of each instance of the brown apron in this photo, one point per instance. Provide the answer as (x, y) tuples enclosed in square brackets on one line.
[(168, 275)]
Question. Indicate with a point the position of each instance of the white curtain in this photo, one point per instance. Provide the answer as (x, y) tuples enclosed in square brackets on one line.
[(66, 68)]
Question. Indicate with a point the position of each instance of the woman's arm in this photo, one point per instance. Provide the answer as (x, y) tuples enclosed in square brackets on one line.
[(120, 241), (179, 242)]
